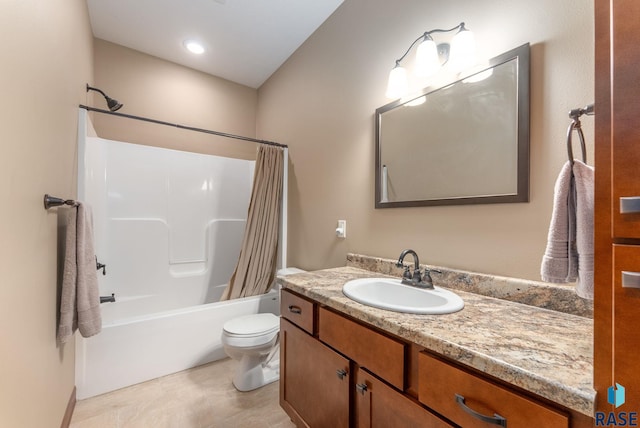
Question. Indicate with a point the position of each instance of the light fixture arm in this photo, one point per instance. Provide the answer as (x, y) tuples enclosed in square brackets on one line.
[(426, 36)]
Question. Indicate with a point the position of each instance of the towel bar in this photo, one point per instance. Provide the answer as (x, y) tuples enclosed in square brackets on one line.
[(52, 201)]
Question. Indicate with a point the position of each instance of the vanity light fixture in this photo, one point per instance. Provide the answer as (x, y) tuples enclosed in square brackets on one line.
[(430, 57)]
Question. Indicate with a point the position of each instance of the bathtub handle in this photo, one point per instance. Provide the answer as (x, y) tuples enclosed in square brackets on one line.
[(295, 309)]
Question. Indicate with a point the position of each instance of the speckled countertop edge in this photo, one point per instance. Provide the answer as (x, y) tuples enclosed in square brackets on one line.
[(545, 352), (557, 297)]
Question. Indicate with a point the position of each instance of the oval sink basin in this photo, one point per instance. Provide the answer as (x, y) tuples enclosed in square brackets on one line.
[(392, 295)]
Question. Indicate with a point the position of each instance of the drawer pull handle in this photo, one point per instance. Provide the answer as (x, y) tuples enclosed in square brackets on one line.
[(295, 309), (630, 279), (341, 373), (361, 388), (496, 419), (630, 205)]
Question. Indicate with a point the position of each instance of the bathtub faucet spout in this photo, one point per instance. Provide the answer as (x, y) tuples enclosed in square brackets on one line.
[(104, 299)]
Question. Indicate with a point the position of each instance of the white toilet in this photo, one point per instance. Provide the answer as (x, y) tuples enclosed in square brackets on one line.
[(253, 341)]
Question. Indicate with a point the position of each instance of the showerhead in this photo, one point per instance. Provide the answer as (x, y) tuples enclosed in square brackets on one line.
[(113, 104)]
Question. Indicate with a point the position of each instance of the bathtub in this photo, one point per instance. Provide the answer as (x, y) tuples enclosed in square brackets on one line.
[(135, 348)]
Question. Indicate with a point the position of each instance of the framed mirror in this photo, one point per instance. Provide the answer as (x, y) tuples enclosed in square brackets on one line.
[(464, 142)]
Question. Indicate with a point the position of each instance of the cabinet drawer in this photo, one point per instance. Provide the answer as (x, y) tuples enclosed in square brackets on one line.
[(380, 354), (298, 310), (468, 399)]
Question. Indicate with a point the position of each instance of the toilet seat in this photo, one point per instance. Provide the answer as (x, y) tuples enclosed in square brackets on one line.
[(251, 330)]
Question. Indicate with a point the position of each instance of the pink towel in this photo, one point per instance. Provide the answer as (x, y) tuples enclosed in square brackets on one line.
[(80, 299)]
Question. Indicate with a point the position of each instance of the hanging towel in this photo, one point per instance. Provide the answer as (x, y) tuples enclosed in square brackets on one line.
[(80, 299), (560, 260), (569, 253), (584, 185)]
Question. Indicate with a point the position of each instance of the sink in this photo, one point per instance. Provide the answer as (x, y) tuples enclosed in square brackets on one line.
[(392, 295)]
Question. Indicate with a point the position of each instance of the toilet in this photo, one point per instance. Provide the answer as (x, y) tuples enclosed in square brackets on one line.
[(253, 341)]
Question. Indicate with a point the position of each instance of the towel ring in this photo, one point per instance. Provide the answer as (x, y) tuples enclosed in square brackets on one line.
[(578, 127), (575, 114)]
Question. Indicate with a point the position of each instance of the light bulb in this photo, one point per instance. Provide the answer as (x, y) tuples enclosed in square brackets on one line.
[(398, 86), (463, 50), (427, 61)]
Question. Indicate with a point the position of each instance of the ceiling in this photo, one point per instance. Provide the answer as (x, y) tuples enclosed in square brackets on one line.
[(246, 41)]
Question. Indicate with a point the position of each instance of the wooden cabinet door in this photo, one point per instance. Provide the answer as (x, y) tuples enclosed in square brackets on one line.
[(377, 405), (625, 97), (626, 272), (314, 380), (617, 206)]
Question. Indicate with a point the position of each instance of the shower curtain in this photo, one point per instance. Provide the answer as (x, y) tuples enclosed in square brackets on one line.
[(256, 267)]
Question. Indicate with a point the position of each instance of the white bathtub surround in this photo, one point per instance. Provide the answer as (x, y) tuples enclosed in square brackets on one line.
[(256, 267), (168, 227), (141, 348)]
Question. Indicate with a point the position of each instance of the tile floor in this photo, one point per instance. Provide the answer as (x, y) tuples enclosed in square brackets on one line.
[(202, 397)]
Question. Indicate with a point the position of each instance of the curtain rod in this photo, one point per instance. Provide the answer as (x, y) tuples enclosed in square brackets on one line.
[(190, 128)]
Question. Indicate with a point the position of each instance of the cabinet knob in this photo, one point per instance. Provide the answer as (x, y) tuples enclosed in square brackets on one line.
[(341, 373), (295, 309), (630, 279), (630, 205), (496, 419), (361, 388)]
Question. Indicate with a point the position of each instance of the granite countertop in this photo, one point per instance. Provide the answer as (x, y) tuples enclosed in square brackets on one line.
[(546, 352)]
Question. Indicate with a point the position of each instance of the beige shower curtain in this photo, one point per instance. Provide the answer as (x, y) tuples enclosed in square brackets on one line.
[(256, 266)]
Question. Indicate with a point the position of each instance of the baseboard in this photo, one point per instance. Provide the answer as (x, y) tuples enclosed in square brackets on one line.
[(71, 405)]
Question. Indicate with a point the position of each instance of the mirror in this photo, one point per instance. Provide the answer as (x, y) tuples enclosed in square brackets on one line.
[(464, 142)]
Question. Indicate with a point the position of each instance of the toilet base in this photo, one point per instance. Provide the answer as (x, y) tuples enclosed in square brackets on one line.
[(253, 372)]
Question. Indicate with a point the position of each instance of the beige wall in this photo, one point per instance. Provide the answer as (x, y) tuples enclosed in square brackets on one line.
[(46, 50), (322, 101), (162, 90)]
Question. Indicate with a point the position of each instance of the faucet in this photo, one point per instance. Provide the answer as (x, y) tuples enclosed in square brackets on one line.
[(417, 279), (105, 299), (101, 266)]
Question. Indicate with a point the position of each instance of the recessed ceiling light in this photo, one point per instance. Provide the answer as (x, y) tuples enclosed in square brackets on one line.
[(194, 47)]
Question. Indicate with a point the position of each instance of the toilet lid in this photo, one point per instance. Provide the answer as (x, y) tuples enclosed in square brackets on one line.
[(252, 325)]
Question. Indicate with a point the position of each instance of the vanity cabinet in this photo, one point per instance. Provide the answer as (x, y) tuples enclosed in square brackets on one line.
[(617, 202), (323, 379), (339, 372)]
